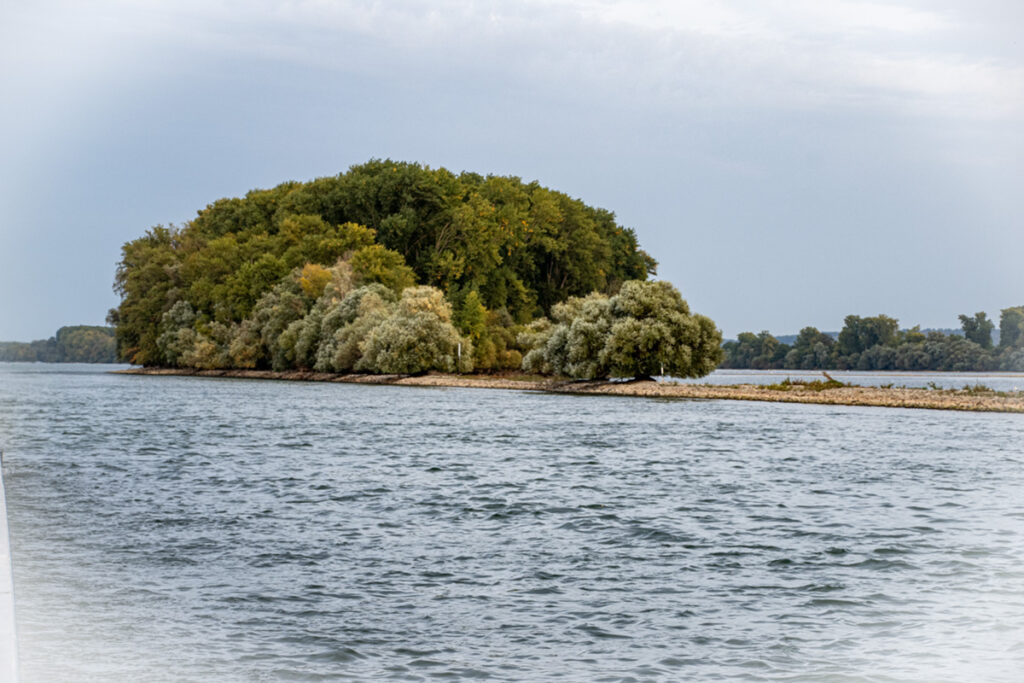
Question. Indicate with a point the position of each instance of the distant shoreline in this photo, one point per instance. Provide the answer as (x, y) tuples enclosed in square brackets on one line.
[(933, 399)]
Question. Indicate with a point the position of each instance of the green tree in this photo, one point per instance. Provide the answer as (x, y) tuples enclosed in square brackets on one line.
[(251, 281), (585, 338), (177, 336), (978, 329), (379, 264), (860, 334), (654, 333), (811, 350), (759, 351), (418, 336), (146, 279), (912, 336), (646, 329), (272, 315), (1011, 328), (471, 317), (347, 323), (311, 239)]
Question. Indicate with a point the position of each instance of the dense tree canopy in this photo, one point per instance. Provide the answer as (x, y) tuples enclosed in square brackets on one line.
[(231, 287)]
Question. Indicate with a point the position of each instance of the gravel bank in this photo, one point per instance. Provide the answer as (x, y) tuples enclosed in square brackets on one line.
[(979, 401)]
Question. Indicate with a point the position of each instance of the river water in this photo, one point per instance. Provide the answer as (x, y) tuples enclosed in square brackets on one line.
[(189, 529)]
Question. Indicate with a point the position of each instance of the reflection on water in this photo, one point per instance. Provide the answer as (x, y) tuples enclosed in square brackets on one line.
[(169, 529)]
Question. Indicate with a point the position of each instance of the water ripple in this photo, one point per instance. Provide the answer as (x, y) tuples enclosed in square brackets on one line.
[(185, 529)]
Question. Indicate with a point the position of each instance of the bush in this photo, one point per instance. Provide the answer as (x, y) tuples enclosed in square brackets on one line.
[(347, 323), (646, 329), (418, 336)]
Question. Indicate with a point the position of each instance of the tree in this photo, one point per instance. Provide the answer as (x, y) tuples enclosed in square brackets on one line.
[(347, 323), (251, 281), (310, 239), (860, 334), (177, 335), (272, 315), (379, 264), (654, 333), (147, 278), (1011, 328), (86, 344), (418, 336), (811, 350), (646, 329), (489, 333), (471, 317), (978, 329), (585, 337), (314, 279), (305, 336), (759, 351)]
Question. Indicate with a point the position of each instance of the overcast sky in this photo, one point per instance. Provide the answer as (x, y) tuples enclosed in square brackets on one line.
[(788, 162)]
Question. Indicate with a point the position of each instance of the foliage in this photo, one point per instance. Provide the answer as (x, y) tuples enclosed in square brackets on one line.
[(416, 337), (379, 264), (353, 321), (812, 350), (73, 344), (646, 329), (521, 247), (493, 333), (314, 279), (860, 334), (149, 282), (1011, 328), (654, 334), (471, 317), (751, 350), (177, 336), (978, 329), (876, 344)]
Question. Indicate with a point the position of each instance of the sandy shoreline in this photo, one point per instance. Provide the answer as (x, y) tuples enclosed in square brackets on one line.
[(956, 399)]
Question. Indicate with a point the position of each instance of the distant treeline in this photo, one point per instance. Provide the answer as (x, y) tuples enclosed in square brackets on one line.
[(877, 343), (790, 339), (77, 344)]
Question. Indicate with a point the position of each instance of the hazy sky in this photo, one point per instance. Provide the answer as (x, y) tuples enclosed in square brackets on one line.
[(788, 162)]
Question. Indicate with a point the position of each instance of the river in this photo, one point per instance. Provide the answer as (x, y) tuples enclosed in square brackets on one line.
[(193, 529)]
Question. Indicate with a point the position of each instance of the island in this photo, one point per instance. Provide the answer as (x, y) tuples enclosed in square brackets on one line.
[(397, 268), (399, 273)]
